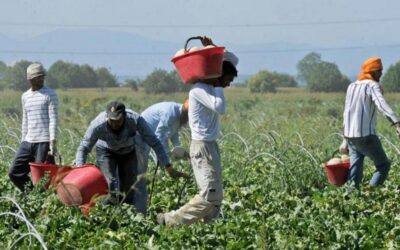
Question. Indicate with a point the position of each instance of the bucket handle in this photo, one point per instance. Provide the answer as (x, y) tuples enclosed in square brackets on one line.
[(194, 38)]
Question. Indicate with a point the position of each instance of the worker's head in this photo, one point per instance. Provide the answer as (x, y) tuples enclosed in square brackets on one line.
[(184, 117), (229, 73), (115, 115), (35, 74), (371, 69)]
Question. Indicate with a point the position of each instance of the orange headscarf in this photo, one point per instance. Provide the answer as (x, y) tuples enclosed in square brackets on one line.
[(370, 65)]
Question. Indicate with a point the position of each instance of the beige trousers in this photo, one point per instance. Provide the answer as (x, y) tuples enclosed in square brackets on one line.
[(206, 205)]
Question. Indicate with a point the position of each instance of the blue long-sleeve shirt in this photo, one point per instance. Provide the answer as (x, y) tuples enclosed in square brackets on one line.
[(123, 142), (164, 120)]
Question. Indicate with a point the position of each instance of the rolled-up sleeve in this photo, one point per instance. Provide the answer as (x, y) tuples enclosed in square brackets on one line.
[(151, 139), (86, 145)]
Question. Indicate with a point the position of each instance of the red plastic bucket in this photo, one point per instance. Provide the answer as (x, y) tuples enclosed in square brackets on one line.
[(82, 185), (201, 64), (337, 173), (41, 169)]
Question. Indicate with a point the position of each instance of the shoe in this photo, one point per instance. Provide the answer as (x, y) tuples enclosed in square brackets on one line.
[(161, 219)]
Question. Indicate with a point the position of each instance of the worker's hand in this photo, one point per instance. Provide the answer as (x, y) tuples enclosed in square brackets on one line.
[(207, 41), (175, 174), (178, 153), (344, 147), (53, 148)]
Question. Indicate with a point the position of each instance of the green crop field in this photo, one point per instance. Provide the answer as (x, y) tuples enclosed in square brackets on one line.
[(276, 195)]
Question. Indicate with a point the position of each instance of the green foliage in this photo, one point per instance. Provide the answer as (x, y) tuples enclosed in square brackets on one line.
[(133, 84), (16, 76), (321, 76), (276, 195), (105, 78), (263, 81), (391, 79), (69, 75), (161, 81), (3, 71)]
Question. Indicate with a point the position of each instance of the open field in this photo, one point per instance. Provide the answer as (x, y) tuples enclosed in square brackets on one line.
[(276, 195)]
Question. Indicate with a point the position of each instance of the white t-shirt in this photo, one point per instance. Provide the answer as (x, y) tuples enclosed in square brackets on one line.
[(206, 104)]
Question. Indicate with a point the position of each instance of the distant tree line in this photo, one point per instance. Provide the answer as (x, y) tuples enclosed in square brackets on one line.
[(60, 75), (316, 74)]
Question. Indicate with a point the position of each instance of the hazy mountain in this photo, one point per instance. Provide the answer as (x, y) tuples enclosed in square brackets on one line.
[(127, 54)]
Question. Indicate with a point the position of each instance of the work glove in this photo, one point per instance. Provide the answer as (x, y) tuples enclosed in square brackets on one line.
[(344, 147), (175, 174), (53, 148), (178, 153)]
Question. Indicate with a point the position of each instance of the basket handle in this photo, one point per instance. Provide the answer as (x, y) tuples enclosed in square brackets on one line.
[(194, 38)]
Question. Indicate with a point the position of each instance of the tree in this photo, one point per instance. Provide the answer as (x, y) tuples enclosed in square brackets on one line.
[(15, 77), (3, 72), (105, 78), (88, 77), (266, 81), (180, 85), (263, 81), (320, 75), (391, 79), (160, 81), (133, 84)]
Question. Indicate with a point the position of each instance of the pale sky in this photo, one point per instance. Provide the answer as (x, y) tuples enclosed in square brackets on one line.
[(257, 29), (316, 22)]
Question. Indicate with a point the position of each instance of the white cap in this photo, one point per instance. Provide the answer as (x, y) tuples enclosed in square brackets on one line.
[(230, 57), (34, 70)]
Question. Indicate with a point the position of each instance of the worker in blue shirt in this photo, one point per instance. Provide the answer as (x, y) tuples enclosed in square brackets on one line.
[(164, 119), (113, 132)]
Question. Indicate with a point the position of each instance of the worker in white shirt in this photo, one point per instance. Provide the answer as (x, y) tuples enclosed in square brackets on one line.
[(206, 105), (39, 127), (364, 97)]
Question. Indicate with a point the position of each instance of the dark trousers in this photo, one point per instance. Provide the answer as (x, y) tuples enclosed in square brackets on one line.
[(120, 172), (28, 152)]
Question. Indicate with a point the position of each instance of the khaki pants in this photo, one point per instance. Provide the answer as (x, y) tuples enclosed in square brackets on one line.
[(206, 164)]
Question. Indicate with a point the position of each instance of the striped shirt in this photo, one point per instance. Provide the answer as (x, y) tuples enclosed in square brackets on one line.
[(363, 98), (206, 104), (39, 115), (123, 142)]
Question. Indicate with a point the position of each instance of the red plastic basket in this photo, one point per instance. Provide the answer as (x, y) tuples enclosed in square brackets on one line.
[(201, 64), (337, 173), (81, 185), (41, 169)]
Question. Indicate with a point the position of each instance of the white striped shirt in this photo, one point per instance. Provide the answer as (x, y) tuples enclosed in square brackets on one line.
[(362, 100), (39, 115)]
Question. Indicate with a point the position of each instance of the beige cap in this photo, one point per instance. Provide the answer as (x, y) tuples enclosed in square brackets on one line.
[(34, 70)]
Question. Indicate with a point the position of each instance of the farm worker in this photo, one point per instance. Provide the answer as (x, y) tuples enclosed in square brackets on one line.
[(39, 127), (206, 105), (363, 97), (164, 119), (113, 132)]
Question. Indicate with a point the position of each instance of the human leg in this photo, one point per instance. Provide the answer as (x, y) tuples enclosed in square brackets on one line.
[(142, 154), (206, 204), (19, 171), (108, 165), (356, 163), (127, 171), (374, 150)]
